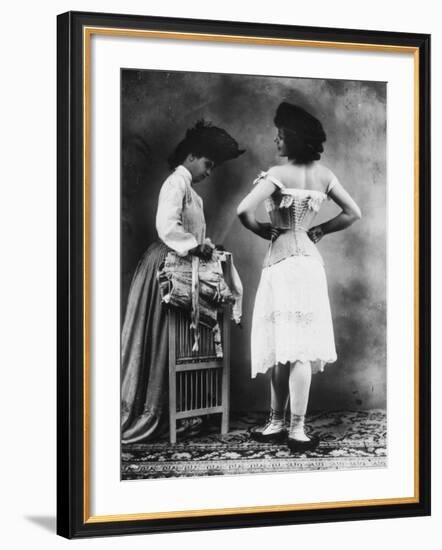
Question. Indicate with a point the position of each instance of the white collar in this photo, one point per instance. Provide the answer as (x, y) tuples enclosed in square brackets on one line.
[(183, 171)]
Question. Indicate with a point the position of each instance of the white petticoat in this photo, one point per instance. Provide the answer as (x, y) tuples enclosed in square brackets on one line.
[(291, 318)]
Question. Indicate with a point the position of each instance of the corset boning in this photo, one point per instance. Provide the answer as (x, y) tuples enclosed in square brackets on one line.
[(293, 242), (294, 216), (298, 216)]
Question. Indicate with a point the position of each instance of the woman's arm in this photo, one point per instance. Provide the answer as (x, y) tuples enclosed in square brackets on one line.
[(350, 213), (169, 222), (247, 208)]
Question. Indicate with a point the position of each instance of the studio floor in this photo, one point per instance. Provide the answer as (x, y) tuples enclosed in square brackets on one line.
[(348, 440)]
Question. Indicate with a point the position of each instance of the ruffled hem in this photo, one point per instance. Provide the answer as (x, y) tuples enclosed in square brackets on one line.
[(318, 364)]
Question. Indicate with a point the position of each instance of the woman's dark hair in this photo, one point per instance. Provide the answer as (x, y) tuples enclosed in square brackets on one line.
[(205, 140), (303, 133)]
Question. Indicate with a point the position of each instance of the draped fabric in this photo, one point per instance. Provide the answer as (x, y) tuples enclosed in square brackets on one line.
[(197, 286), (175, 277), (144, 352), (162, 279)]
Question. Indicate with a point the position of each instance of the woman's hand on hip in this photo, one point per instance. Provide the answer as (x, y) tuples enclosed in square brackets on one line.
[(269, 231), (315, 233)]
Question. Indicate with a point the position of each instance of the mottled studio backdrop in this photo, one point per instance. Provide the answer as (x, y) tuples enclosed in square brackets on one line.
[(158, 107)]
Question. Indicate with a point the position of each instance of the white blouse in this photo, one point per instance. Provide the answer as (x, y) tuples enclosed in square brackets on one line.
[(180, 221)]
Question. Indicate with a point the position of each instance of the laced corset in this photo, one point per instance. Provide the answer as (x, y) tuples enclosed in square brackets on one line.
[(292, 210)]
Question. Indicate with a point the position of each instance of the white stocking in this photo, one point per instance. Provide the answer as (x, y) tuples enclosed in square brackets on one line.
[(299, 383)]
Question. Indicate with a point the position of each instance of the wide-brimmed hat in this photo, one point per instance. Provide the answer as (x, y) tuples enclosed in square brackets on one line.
[(209, 141)]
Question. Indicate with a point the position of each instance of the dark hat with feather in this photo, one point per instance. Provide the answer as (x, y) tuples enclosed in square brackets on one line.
[(206, 140)]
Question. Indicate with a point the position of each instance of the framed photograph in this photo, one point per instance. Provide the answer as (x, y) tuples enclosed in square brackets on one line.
[(243, 274)]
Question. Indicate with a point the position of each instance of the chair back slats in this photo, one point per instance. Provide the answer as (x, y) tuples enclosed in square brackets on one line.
[(198, 389), (198, 380)]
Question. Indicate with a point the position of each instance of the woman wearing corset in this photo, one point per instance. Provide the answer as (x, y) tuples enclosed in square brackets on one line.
[(292, 330)]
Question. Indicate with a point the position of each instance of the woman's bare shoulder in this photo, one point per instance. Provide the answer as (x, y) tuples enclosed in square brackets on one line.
[(324, 172), (276, 175), (324, 176), (281, 172), (275, 171)]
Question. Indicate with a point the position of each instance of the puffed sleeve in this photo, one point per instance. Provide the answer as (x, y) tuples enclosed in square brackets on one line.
[(169, 222)]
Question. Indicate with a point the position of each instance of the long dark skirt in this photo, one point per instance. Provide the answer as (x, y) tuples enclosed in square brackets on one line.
[(144, 347)]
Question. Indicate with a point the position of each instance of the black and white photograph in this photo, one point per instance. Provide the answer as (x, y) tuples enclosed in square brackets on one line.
[(253, 274), (220, 293)]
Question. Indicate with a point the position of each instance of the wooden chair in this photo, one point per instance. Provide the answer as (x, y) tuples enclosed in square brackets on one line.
[(198, 381)]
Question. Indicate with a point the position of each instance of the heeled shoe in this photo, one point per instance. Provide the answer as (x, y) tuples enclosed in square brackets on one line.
[(277, 437), (298, 446), (273, 431)]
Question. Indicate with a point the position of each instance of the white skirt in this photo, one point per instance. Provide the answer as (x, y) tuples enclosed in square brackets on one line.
[(291, 318)]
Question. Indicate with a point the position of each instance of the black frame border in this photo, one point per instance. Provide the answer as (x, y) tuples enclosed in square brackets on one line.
[(70, 224)]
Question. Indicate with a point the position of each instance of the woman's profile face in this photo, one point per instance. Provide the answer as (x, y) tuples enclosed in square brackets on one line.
[(201, 168), (280, 143)]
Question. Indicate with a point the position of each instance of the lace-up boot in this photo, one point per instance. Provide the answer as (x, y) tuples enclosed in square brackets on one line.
[(297, 440), (274, 430)]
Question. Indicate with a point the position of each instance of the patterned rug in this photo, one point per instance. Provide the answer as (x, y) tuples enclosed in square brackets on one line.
[(349, 440)]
